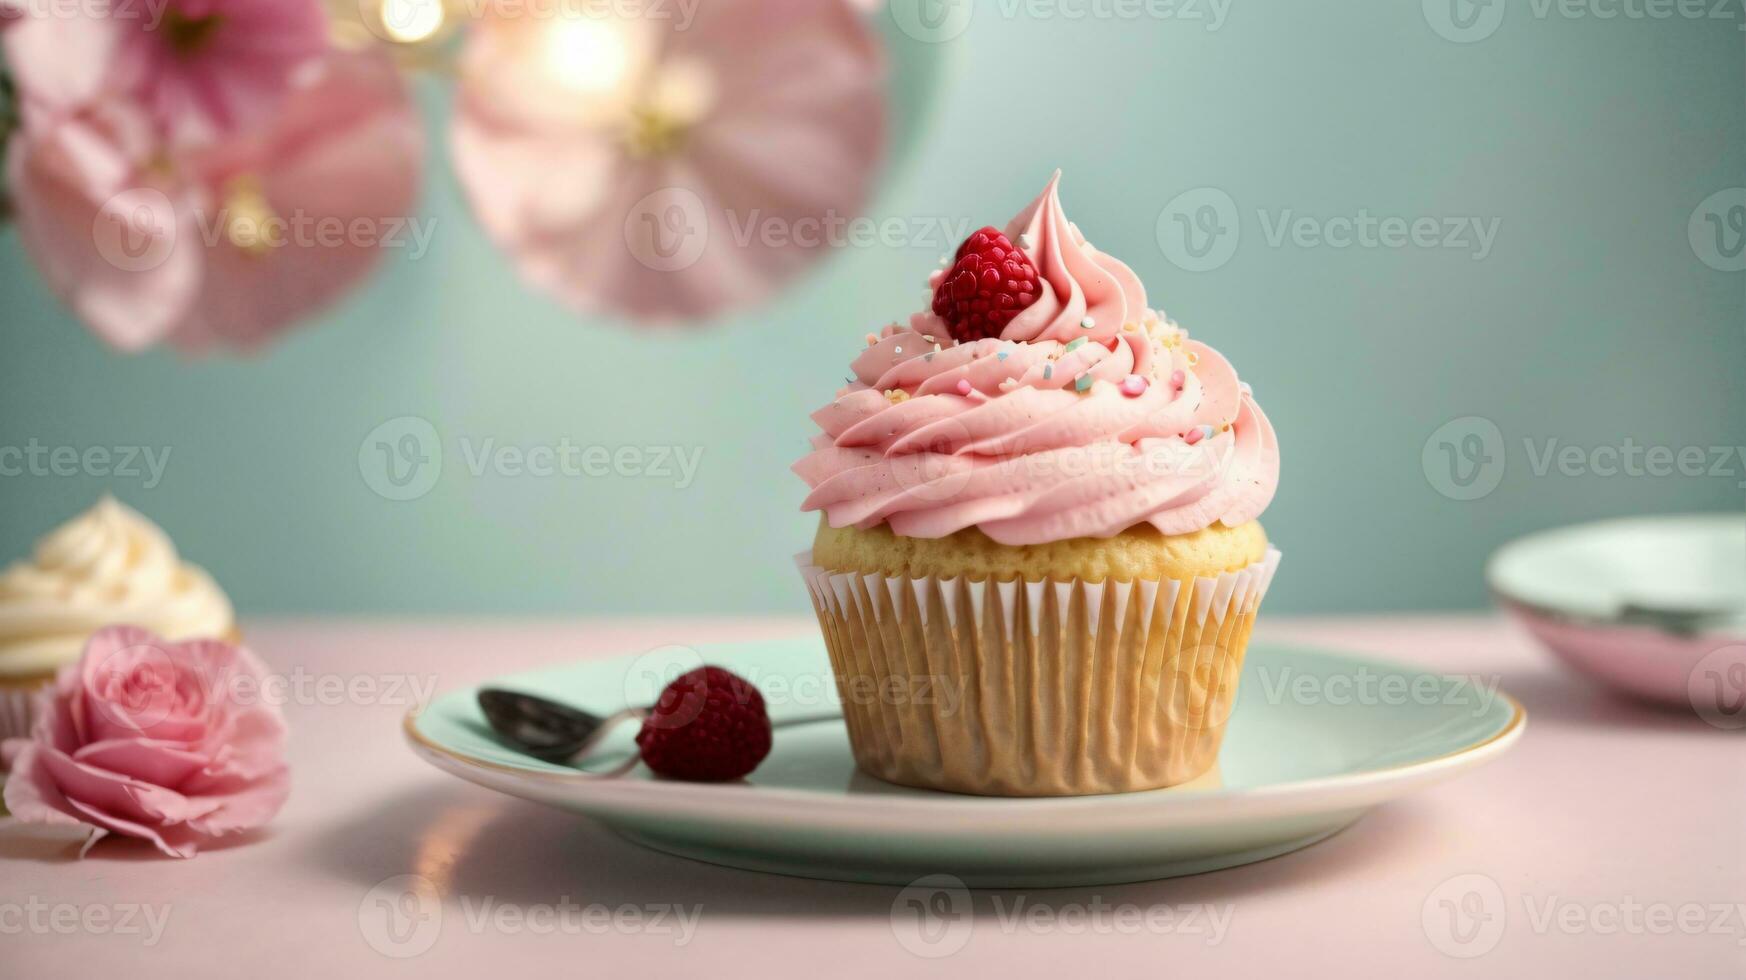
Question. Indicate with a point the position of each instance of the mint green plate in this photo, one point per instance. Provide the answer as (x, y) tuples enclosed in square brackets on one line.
[(1315, 740)]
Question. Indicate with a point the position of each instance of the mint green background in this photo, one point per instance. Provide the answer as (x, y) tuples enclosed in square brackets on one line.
[(1592, 321)]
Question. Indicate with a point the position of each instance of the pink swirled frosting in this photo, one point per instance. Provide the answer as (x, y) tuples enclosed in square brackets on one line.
[(1089, 415)]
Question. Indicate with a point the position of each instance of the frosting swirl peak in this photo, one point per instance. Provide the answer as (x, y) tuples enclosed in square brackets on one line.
[(1079, 282), (109, 565), (1090, 414)]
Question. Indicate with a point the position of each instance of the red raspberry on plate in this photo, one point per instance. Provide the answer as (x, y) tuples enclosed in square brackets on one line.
[(708, 726), (989, 283)]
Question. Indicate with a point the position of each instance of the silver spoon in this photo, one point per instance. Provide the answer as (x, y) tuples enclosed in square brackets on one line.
[(548, 730)]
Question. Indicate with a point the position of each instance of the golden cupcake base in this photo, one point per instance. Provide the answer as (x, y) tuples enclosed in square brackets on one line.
[(1036, 688)]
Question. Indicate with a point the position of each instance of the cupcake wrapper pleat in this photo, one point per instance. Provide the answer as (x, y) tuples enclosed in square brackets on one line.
[(18, 711), (1050, 688)]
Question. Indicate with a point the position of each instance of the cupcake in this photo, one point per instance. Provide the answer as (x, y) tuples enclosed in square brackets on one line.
[(1038, 561), (107, 566)]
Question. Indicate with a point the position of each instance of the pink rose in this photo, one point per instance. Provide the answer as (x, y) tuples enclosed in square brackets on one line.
[(146, 738)]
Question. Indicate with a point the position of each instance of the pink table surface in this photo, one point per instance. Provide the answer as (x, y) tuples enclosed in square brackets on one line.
[(1610, 831)]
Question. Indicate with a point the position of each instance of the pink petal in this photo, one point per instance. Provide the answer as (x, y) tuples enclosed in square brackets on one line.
[(345, 152), (236, 81), (173, 840), (121, 797), (793, 135), (145, 760), (251, 805), (31, 795), (124, 261), (58, 63)]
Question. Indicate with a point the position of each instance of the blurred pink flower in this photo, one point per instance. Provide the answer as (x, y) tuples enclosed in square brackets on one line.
[(201, 68), (170, 742), (666, 169), (230, 242)]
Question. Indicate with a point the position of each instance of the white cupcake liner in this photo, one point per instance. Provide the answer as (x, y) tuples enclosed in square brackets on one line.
[(1051, 688), (18, 709)]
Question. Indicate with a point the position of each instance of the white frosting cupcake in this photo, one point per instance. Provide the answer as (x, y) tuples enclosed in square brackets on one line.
[(109, 565)]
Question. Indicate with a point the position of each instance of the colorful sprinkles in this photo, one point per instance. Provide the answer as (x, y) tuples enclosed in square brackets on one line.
[(964, 387), (1134, 386), (1082, 383)]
